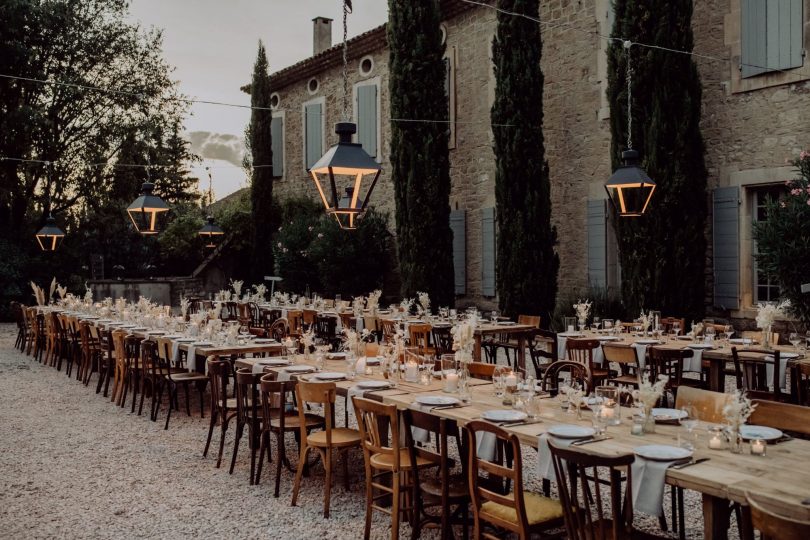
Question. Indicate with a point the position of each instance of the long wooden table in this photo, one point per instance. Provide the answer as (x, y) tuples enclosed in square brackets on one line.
[(781, 475)]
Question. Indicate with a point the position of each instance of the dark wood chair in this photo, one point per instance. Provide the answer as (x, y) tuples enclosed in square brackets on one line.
[(509, 342), (543, 351), (279, 330), (326, 330), (669, 362), (19, 319), (499, 501), (481, 370), (626, 357), (132, 369), (222, 407), (582, 479), (573, 372), (442, 340), (178, 375), (581, 351), (751, 371), (249, 415)]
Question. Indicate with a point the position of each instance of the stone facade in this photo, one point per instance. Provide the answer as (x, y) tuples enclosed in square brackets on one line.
[(750, 126)]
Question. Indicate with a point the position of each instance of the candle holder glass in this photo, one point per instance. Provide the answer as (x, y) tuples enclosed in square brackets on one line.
[(449, 373), (758, 447), (608, 398)]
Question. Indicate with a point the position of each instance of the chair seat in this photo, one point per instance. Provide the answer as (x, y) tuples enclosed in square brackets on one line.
[(539, 509), (458, 489), (386, 461), (625, 379), (187, 376), (340, 437), (293, 423)]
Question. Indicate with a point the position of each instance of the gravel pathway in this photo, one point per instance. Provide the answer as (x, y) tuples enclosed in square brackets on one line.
[(76, 466)]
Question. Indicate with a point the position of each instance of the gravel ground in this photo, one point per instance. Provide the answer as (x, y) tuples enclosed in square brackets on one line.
[(76, 466)]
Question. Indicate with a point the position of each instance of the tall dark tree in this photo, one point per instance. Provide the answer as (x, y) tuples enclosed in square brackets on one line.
[(526, 262), (419, 159), (261, 188), (662, 253)]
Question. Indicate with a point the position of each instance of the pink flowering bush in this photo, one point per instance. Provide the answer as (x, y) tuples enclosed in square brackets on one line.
[(783, 239)]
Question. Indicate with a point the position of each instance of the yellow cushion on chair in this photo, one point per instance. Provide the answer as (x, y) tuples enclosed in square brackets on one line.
[(539, 509)]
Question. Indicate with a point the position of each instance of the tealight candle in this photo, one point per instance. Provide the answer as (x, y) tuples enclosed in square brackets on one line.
[(758, 447), (451, 382), (637, 429), (360, 366), (570, 329), (411, 371), (510, 381), (716, 442)]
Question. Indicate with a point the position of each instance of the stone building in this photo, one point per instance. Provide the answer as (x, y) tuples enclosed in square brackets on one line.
[(753, 119)]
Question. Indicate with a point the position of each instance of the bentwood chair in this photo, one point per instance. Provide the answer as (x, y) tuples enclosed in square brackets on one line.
[(324, 442), (626, 357), (751, 368), (91, 351), (279, 330), (280, 418), (419, 335), (391, 460), (568, 372), (223, 408), (249, 415), (581, 351), (510, 342), (590, 488), (500, 504), (177, 375), (670, 362), (543, 350), (769, 520)]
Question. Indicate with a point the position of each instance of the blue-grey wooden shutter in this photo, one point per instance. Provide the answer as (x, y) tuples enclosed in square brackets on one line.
[(597, 243), (784, 33), (367, 118), (313, 134), (753, 37), (458, 225), (277, 133), (488, 251), (726, 229)]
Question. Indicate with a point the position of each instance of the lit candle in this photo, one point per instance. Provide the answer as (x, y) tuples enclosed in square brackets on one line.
[(411, 371), (758, 447), (451, 382), (716, 442), (510, 381), (570, 328), (607, 412), (360, 366), (637, 429)]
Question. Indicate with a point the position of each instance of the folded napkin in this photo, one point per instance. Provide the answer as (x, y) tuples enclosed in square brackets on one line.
[(648, 484), (191, 359), (545, 466), (258, 367), (782, 370), (485, 445), (694, 364), (175, 352)]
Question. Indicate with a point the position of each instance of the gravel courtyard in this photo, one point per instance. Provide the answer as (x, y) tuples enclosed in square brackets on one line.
[(76, 466)]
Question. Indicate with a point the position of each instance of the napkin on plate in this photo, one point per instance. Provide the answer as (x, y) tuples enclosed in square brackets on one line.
[(545, 466), (648, 484)]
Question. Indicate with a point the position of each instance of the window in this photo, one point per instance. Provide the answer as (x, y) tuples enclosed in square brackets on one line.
[(765, 289), (366, 66), (312, 86), (771, 36), (313, 132), (450, 92), (277, 134), (366, 105)]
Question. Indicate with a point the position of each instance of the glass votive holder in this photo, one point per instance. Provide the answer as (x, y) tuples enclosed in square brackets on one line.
[(608, 398), (758, 447), (717, 438)]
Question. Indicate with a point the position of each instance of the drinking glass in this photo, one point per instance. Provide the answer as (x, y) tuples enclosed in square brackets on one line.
[(533, 407), (676, 328), (497, 380), (598, 420), (449, 373), (608, 399), (570, 324), (689, 420), (607, 324), (596, 323), (351, 365), (709, 333), (494, 316), (795, 340)]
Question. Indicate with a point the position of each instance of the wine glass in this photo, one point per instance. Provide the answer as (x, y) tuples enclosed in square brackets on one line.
[(597, 322), (709, 334), (676, 328), (794, 340), (494, 316), (688, 419)]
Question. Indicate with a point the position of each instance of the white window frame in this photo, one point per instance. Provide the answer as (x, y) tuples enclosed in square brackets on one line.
[(753, 200), (317, 101), (283, 116), (374, 81)]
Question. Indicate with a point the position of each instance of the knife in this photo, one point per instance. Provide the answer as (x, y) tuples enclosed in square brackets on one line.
[(443, 407), (591, 440), (519, 423), (690, 463)]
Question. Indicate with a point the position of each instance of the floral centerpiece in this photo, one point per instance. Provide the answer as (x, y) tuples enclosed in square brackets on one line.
[(358, 304), (766, 315), (61, 291), (261, 290), (582, 309), (645, 321), (308, 341), (236, 285), (648, 394), (406, 305), (464, 340), (184, 305), (696, 330), (88, 295), (423, 308), (39, 294), (373, 300), (736, 413)]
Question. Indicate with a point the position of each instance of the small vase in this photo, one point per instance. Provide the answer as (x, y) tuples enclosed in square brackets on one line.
[(734, 440), (767, 336), (463, 358), (649, 421)]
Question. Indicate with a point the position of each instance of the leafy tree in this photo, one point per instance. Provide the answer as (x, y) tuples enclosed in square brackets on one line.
[(526, 261), (419, 160), (783, 240), (261, 187), (662, 253)]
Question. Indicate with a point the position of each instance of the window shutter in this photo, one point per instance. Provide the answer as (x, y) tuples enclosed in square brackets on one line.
[(597, 243), (277, 134), (367, 118), (488, 251), (458, 225), (313, 134), (726, 228), (791, 21), (753, 36)]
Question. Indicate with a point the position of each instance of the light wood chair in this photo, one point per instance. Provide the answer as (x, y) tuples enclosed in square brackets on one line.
[(499, 501), (308, 318), (783, 416), (581, 351), (324, 442), (707, 404), (419, 336), (295, 317), (768, 520), (626, 356), (481, 370)]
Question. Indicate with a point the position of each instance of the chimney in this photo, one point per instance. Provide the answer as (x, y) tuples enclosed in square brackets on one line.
[(321, 35)]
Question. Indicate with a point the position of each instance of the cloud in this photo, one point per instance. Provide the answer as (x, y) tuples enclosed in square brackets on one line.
[(224, 146)]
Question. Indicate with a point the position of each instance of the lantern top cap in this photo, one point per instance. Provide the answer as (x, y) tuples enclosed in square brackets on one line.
[(629, 173), (346, 157)]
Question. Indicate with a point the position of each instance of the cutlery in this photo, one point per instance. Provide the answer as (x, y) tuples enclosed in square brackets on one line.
[(783, 438), (582, 442), (689, 463), (518, 423), (443, 407)]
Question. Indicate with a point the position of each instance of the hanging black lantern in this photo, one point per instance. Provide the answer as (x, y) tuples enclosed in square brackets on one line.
[(50, 236), (211, 233), (630, 188), (346, 161), (148, 212)]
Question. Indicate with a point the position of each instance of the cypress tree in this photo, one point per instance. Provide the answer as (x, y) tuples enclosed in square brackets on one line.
[(261, 187), (526, 261), (662, 253), (419, 159)]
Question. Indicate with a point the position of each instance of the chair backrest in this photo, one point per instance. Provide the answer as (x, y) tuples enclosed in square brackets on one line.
[(275, 396), (247, 394), (545, 346), (442, 340), (491, 480), (574, 372), (295, 317), (443, 429), (218, 373), (325, 327), (481, 370), (150, 360), (320, 393), (766, 518), (669, 322), (372, 350), (388, 329), (85, 337), (346, 319), (587, 515), (132, 350), (531, 320), (308, 316), (581, 351), (784, 416), (620, 354), (369, 414), (802, 374), (118, 337), (751, 368), (280, 329), (419, 335), (707, 404), (668, 362)]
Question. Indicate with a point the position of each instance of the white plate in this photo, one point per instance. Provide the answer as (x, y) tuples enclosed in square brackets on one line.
[(700, 346), (760, 432), (570, 431), (667, 415), (436, 400), (662, 452), (330, 376), (570, 334), (741, 341), (608, 338), (372, 360), (647, 342), (373, 385), (299, 369), (276, 362), (336, 355), (503, 415), (783, 356), (506, 323)]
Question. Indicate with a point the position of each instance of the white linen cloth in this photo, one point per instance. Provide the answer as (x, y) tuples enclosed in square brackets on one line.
[(598, 356), (191, 359), (694, 364), (782, 370), (648, 484), (545, 465), (175, 352), (485, 445)]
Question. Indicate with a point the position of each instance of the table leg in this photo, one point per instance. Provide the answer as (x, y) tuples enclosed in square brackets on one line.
[(477, 349), (717, 375), (716, 514), (521, 352)]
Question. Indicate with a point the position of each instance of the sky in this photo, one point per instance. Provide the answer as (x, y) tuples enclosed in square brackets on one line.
[(212, 45)]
